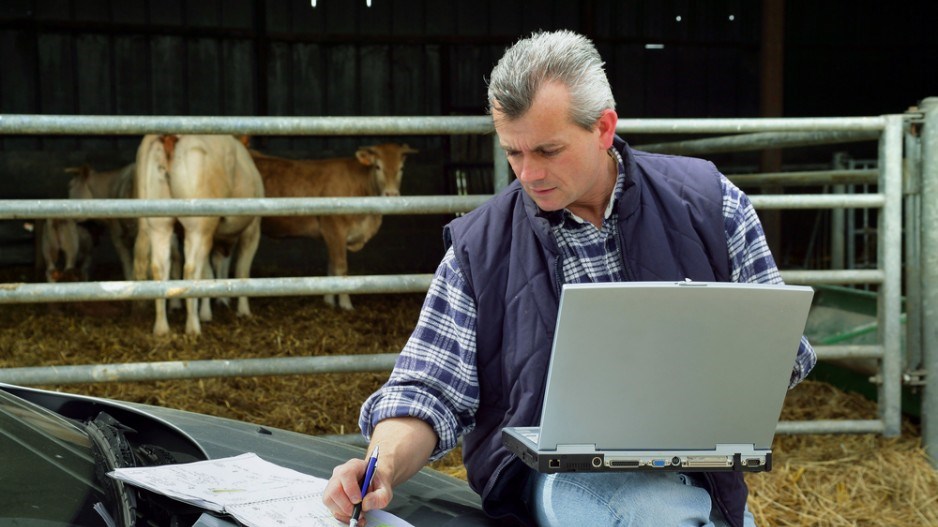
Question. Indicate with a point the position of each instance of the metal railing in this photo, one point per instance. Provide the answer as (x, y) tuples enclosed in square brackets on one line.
[(925, 267), (747, 134)]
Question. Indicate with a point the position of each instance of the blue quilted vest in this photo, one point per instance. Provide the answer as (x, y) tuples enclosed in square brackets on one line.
[(670, 226)]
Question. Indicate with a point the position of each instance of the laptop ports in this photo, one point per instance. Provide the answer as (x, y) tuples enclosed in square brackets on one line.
[(597, 462), (553, 463)]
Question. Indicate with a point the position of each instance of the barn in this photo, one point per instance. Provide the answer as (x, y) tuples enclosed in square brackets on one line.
[(384, 62)]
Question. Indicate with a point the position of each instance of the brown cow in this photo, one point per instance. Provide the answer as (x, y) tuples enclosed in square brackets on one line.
[(374, 171), (196, 167)]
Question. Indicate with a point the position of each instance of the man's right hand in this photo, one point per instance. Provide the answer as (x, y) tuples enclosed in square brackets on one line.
[(406, 445), (343, 491)]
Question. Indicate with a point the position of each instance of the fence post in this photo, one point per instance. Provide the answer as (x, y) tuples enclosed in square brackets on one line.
[(890, 261), (501, 174), (912, 192), (929, 266)]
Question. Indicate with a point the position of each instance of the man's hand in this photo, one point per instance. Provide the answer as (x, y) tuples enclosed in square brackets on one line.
[(344, 490), (406, 445)]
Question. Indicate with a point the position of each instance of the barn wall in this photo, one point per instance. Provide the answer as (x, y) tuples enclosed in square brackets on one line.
[(666, 58)]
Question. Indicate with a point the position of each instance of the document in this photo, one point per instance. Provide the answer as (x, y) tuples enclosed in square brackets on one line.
[(253, 491)]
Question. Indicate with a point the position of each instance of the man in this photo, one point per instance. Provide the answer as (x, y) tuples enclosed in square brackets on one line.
[(585, 207)]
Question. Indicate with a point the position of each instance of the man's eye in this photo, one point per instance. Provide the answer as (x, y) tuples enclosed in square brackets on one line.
[(549, 153)]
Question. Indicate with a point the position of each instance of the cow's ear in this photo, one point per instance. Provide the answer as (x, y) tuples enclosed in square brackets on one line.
[(82, 172), (406, 149), (366, 155)]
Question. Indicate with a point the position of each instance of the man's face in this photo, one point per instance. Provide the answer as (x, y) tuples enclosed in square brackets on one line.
[(559, 164)]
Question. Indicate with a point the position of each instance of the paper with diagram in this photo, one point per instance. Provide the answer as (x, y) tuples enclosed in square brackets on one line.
[(255, 492)]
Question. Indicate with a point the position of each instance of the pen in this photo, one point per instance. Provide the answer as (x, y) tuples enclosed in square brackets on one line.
[(369, 472)]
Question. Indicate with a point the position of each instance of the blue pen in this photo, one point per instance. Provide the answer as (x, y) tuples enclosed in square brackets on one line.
[(369, 472)]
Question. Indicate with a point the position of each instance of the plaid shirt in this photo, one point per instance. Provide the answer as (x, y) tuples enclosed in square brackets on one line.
[(435, 378)]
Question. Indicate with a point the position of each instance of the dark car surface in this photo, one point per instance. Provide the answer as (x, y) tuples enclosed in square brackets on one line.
[(55, 449)]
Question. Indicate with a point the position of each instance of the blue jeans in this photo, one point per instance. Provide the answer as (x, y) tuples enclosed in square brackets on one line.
[(634, 499)]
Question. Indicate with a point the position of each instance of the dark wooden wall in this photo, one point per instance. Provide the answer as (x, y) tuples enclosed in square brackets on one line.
[(665, 58)]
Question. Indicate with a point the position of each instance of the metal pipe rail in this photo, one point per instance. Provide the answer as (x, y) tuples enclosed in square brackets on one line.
[(928, 280), (196, 369), (819, 426), (15, 124), (129, 208), (18, 293), (806, 178), (18, 124), (831, 426), (744, 125), (845, 351), (169, 370), (759, 141)]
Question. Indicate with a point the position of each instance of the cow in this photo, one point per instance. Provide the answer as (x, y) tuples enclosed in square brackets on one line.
[(374, 171), (66, 248), (87, 183), (195, 167)]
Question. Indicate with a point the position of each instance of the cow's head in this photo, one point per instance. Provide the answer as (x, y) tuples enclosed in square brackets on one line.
[(387, 160), (78, 186)]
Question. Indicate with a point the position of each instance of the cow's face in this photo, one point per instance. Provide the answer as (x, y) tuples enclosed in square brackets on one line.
[(388, 163), (79, 186)]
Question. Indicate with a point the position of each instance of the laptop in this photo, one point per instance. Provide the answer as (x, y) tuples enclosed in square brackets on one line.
[(687, 376)]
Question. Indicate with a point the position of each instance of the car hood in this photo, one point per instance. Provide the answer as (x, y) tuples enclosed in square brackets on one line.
[(429, 498)]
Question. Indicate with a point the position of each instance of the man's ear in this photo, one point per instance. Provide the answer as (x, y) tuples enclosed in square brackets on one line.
[(606, 124)]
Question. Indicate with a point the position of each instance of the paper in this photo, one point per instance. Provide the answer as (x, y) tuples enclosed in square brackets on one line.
[(255, 492)]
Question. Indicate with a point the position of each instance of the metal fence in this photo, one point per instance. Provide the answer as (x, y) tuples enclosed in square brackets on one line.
[(741, 134)]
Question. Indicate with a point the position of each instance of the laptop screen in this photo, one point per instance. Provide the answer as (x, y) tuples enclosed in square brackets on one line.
[(671, 365)]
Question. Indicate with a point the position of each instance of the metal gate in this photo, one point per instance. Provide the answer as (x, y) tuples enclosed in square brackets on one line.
[(737, 135)]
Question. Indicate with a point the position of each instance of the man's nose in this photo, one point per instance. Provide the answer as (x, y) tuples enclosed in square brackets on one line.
[(530, 171)]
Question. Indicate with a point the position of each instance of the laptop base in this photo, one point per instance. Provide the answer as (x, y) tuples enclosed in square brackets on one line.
[(579, 458)]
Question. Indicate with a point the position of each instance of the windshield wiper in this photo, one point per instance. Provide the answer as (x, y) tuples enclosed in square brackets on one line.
[(112, 450)]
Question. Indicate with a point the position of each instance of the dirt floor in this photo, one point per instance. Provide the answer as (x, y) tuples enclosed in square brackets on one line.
[(824, 480)]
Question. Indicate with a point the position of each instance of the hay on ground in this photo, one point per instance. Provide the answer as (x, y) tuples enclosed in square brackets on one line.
[(823, 480)]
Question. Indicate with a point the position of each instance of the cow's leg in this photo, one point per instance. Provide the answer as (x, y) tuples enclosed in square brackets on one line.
[(334, 236), (142, 250), (244, 253), (160, 231), (50, 249), (197, 246), (205, 303), (66, 232), (117, 235), (175, 268), (220, 265), (141, 262)]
